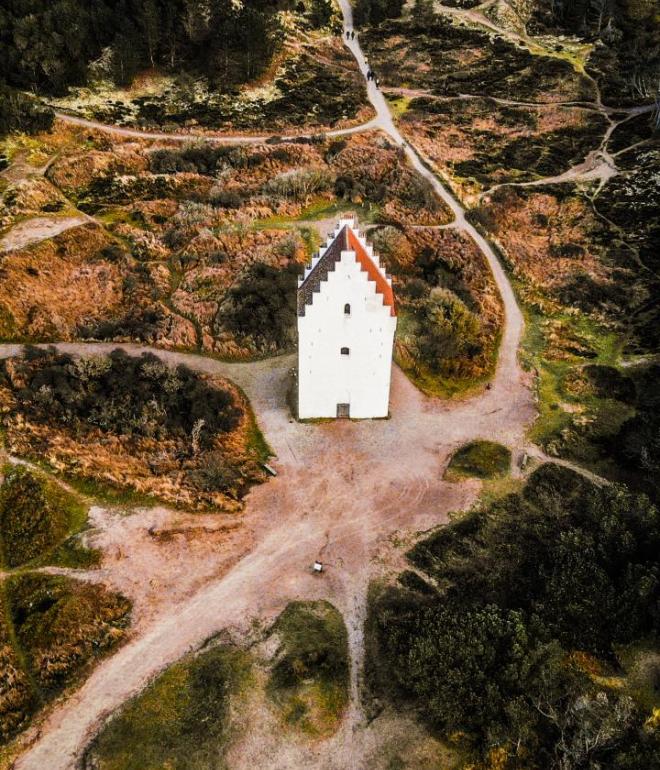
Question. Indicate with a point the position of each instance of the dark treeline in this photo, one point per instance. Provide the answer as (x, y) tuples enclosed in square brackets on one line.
[(46, 46)]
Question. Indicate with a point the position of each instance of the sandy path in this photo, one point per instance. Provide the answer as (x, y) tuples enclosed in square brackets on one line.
[(192, 136), (38, 229), (336, 484)]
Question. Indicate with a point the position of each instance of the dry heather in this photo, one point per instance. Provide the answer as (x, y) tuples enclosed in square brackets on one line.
[(188, 237), (48, 288), (562, 252), (479, 143), (106, 435)]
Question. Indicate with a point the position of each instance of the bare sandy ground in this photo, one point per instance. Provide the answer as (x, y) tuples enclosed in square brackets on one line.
[(38, 229)]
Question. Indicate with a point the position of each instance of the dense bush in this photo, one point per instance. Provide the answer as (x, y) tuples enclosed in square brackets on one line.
[(563, 566), (29, 523), (261, 308), (19, 112), (375, 11), (446, 334), (136, 324), (119, 394), (637, 444)]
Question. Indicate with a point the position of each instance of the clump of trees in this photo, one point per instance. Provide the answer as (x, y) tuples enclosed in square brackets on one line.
[(521, 590), (375, 11), (261, 309), (49, 46), (19, 112), (120, 394)]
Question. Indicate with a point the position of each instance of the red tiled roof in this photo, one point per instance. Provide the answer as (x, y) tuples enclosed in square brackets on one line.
[(367, 264)]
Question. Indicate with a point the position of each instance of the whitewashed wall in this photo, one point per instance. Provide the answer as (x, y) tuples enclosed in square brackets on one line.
[(361, 378)]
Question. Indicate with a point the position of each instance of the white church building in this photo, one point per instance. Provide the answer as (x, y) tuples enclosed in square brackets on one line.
[(346, 324)]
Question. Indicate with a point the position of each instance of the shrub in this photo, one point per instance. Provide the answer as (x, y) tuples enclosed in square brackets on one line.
[(445, 331), (261, 308), (483, 459), (120, 394)]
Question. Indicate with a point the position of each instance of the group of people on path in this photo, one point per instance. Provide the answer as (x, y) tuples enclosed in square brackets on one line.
[(371, 75)]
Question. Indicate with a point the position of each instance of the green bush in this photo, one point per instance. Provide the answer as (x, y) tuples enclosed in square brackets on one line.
[(483, 459), (261, 308), (36, 518), (121, 394), (563, 566)]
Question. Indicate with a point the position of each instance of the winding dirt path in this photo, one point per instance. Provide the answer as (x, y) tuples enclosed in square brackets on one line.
[(136, 133), (338, 489)]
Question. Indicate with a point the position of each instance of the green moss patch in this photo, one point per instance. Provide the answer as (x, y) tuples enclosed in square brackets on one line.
[(309, 678), (39, 522), (180, 722), (482, 459), (51, 630), (61, 625)]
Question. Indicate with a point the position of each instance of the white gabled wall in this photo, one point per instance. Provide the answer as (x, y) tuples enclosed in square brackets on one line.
[(361, 378)]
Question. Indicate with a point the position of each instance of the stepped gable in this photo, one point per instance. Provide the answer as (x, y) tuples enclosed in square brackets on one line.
[(346, 240), (370, 267)]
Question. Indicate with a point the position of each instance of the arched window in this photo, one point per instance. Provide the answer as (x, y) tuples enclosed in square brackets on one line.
[(347, 309), (345, 351)]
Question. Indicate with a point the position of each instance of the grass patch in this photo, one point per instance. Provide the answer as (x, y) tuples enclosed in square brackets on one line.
[(181, 721), (51, 630), (255, 439), (398, 105), (61, 625), (480, 459), (309, 678), (583, 398), (40, 521)]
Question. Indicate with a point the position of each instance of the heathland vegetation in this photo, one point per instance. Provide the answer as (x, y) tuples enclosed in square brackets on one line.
[(132, 423), (51, 630), (526, 639), (40, 522)]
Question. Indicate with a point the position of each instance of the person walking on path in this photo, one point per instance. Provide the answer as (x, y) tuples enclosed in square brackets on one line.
[(348, 35)]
